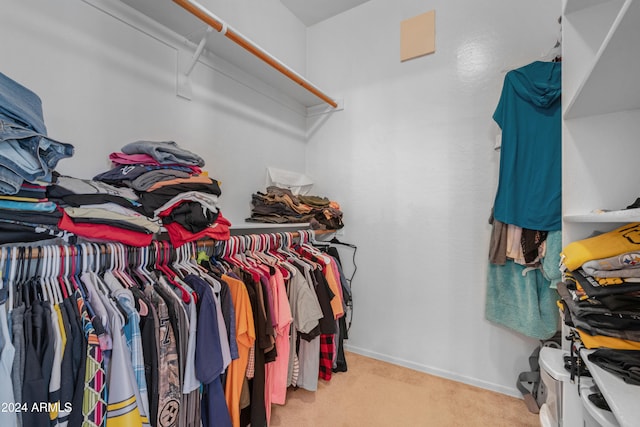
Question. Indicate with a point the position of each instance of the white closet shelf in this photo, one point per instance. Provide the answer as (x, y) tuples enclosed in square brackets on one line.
[(250, 58), (621, 397), (571, 6), (622, 217), (611, 83), (264, 225)]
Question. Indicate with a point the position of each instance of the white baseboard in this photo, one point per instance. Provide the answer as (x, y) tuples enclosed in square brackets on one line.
[(435, 371)]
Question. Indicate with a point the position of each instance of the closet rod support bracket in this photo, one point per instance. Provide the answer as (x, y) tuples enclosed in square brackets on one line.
[(322, 109), (183, 84)]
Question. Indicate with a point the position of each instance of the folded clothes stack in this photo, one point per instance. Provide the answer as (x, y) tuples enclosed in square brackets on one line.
[(27, 159), (601, 290), (281, 206), (153, 186), (99, 211)]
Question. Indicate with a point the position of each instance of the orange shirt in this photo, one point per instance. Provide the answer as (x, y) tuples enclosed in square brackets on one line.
[(336, 301), (196, 179), (245, 337)]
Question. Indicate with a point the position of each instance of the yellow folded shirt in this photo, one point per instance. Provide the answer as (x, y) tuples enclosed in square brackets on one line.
[(598, 341), (621, 240)]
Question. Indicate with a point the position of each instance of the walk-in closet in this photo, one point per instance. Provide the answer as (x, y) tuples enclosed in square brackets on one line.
[(319, 213)]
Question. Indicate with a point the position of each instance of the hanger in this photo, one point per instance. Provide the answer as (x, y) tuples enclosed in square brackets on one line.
[(4, 289), (141, 268), (111, 271), (56, 255), (11, 259), (44, 273), (190, 251), (164, 268), (62, 271), (263, 253)]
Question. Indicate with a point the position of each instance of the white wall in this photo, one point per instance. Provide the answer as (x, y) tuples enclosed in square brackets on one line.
[(411, 160), (104, 84)]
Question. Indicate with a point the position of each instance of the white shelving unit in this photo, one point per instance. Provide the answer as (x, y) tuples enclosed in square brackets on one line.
[(601, 111), (601, 137), (622, 398)]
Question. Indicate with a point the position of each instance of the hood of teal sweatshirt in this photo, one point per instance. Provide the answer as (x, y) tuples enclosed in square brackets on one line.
[(538, 82)]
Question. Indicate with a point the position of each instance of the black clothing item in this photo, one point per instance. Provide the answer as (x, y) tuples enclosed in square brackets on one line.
[(590, 315), (599, 400), (39, 353), (341, 360), (67, 378), (191, 216), (531, 241), (152, 200), (270, 352), (12, 232), (591, 305), (634, 205), (257, 414), (32, 193), (78, 361), (594, 290), (124, 174), (621, 302), (149, 350), (624, 364), (325, 295), (43, 218)]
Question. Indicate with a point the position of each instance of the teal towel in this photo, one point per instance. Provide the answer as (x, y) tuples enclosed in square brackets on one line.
[(526, 304), (551, 260)]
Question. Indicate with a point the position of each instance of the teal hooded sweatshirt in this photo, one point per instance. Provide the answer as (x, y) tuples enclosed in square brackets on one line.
[(529, 114)]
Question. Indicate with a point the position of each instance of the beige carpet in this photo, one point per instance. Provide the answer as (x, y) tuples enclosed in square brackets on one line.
[(374, 393)]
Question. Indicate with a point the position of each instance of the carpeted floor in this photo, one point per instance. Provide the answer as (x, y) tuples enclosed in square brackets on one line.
[(374, 393)]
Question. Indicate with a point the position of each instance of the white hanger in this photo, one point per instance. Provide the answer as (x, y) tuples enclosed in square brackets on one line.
[(44, 274), (3, 257), (12, 272), (67, 269)]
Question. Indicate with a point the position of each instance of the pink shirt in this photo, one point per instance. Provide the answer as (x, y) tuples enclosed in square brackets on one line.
[(277, 372)]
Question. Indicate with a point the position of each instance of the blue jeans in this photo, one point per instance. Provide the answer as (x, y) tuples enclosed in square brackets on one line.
[(27, 155), (20, 105)]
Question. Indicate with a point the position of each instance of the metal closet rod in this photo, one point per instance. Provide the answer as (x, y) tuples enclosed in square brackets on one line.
[(36, 251), (220, 26)]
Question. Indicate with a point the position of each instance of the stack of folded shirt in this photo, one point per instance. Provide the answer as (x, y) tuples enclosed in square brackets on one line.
[(281, 206), (170, 187), (601, 290), (29, 216), (99, 211)]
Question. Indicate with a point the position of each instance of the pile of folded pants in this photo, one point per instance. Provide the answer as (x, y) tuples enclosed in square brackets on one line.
[(281, 206)]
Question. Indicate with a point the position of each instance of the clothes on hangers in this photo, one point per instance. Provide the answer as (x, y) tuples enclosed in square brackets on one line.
[(527, 203), (111, 338)]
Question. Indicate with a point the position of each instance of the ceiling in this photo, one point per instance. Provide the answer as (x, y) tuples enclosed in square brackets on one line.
[(313, 11)]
